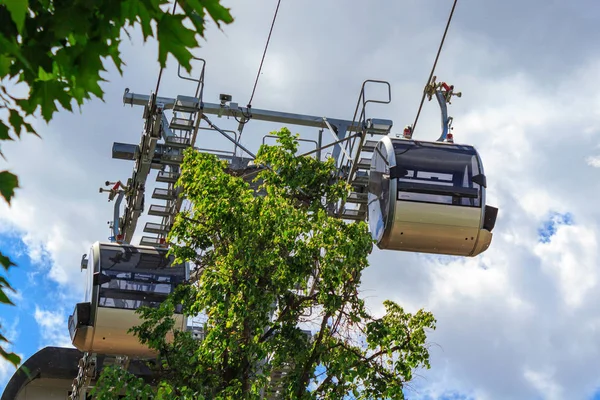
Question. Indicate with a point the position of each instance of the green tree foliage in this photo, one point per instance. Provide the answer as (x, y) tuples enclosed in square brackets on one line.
[(57, 51), (268, 266), (8, 182)]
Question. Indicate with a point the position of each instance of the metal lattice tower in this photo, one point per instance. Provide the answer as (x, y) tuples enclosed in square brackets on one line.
[(163, 142)]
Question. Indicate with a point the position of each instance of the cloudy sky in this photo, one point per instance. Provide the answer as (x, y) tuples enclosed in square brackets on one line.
[(522, 320)]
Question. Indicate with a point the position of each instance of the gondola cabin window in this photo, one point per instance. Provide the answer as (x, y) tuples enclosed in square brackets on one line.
[(131, 278), (130, 290), (437, 173)]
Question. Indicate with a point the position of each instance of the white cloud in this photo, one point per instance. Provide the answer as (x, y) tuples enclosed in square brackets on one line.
[(53, 327), (593, 161), (571, 258), (545, 383), (16, 296)]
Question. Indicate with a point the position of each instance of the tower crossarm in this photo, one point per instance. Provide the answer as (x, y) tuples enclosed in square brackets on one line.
[(233, 110)]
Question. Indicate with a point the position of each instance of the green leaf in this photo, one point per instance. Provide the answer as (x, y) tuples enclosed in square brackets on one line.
[(194, 9), (4, 298), (16, 120), (145, 21), (4, 135), (11, 47), (8, 183), (18, 11), (44, 94), (218, 12), (175, 38), (5, 284), (5, 63), (116, 57), (10, 357), (45, 76), (5, 261)]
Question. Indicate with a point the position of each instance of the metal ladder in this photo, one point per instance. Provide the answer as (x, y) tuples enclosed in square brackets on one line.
[(355, 161), (86, 373), (88, 369), (178, 135)]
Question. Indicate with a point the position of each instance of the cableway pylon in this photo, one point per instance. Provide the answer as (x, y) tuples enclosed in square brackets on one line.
[(417, 196)]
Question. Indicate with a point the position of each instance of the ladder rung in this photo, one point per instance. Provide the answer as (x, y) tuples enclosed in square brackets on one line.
[(369, 145), (184, 124), (163, 194), (167, 177), (355, 215), (376, 132), (364, 163), (159, 211), (153, 241), (359, 187), (159, 229), (379, 126), (171, 159), (362, 178), (177, 141), (186, 104), (358, 198)]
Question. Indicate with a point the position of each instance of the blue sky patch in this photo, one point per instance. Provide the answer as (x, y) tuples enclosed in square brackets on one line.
[(35, 291), (596, 396), (448, 395), (549, 227)]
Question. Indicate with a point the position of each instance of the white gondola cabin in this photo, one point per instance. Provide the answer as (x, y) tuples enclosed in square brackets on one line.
[(122, 278), (429, 197)]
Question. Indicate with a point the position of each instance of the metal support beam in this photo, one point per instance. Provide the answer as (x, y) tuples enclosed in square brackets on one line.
[(153, 113), (337, 143), (116, 216), (222, 132), (337, 149), (132, 99), (439, 95)]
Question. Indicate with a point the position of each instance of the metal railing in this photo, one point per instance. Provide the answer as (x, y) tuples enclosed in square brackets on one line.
[(351, 153), (359, 123)]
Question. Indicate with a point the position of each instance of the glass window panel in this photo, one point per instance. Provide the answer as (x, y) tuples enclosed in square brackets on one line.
[(143, 287), (132, 259), (434, 176), (432, 182), (379, 191), (114, 297), (133, 285), (424, 197), (437, 164), (89, 276), (137, 276), (127, 304)]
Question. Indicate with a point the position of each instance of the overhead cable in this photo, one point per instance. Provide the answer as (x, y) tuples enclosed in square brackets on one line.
[(414, 126), (264, 54)]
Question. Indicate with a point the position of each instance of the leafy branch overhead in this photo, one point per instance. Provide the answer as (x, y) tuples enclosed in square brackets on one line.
[(278, 288), (57, 51), (8, 182), (59, 48)]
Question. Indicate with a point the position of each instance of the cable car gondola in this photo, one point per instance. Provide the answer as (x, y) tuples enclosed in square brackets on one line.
[(122, 278), (429, 197)]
